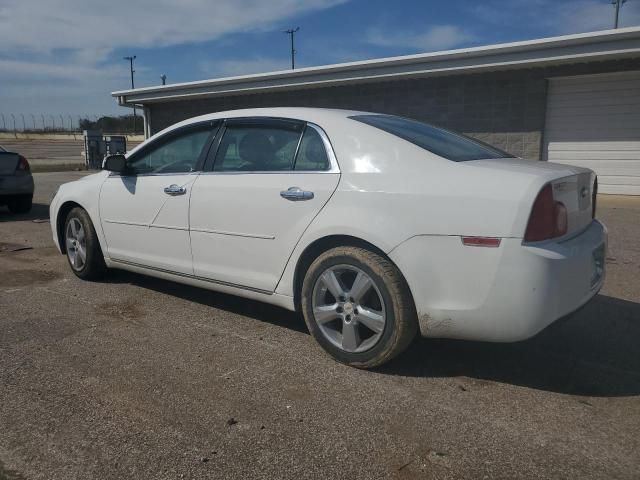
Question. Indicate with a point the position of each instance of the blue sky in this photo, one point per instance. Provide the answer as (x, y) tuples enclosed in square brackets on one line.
[(65, 56)]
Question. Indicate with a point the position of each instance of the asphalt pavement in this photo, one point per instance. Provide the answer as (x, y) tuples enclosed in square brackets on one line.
[(134, 377)]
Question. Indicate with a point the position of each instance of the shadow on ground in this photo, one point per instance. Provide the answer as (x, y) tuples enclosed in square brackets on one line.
[(39, 211), (594, 352)]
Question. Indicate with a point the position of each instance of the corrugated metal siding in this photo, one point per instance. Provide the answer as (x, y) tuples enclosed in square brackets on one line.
[(594, 121)]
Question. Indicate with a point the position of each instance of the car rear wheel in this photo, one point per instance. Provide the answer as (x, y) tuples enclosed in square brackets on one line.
[(81, 243), (20, 204), (358, 307)]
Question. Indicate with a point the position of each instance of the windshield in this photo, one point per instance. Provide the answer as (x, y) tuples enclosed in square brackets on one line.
[(445, 143)]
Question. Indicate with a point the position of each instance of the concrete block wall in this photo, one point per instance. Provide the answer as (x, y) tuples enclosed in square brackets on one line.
[(505, 109)]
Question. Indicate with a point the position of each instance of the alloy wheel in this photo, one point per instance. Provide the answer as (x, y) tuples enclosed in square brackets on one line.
[(348, 308), (76, 244)]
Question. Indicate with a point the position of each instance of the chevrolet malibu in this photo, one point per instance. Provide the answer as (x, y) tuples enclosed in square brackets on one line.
[(374, 227)]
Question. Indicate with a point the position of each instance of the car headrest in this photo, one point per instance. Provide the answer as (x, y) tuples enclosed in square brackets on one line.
[(256, 148)]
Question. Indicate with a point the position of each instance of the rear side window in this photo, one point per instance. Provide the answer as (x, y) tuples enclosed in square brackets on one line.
[(445, 143), (256, 148), (312, 156)]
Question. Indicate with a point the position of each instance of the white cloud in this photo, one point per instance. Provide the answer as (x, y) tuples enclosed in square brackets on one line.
[(436, 37), (558, 17), (53, 53), (53, 87), (232, 68), (79, 24)]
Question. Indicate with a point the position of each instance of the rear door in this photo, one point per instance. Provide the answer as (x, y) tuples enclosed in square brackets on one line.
[(145, 211), (266, 181), (8, 163), (8, 167)]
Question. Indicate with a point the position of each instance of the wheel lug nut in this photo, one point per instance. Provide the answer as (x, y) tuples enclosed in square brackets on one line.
[(342, 298), (348, 318), (339, 309), (355, 311)]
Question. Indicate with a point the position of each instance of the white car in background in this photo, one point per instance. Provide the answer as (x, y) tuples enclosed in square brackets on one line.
[(373, 226)]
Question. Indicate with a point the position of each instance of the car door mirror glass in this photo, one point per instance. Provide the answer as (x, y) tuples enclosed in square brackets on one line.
[(115, 163)]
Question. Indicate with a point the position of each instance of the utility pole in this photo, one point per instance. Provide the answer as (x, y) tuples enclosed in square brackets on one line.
[(617, 4), (131, 59), (33, 117), (163, 77), (291, 32)]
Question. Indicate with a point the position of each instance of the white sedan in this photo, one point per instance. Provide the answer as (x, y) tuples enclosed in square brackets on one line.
[(374, 227)]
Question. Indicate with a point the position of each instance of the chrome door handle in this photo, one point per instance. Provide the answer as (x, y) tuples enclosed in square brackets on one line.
[(295, 194), (174, 190)]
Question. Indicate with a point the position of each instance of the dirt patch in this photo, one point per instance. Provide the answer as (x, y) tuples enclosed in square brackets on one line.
[(9, 474), (299, 393), (126, 311), (22, 278)]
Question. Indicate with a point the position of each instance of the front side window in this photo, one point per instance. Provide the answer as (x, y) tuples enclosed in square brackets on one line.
[(445, 143), (177, 155), (257, 148)]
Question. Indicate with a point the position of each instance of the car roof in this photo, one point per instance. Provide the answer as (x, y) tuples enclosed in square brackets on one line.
[(314, 115)]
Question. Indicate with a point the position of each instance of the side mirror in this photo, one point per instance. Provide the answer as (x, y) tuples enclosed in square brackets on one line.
[(115, 163)]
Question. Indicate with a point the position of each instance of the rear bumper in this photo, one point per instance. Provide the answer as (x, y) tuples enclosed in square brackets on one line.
[(502, 294), (11, 185)]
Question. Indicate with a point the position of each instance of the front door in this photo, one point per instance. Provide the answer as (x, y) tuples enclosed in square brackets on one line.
[(145, 211), (269, 179)]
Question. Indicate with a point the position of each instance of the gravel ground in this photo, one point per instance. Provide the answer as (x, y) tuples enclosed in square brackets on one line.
[(140, 378)]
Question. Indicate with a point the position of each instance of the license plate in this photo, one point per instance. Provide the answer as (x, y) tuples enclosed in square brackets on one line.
[(598, 265)]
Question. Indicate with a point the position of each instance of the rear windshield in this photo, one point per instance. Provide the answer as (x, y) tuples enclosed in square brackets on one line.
[(447, 144)]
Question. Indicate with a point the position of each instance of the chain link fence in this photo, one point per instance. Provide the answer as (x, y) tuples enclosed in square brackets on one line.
[(67, 123)]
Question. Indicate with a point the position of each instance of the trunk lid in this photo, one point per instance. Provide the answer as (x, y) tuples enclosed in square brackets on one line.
[(572, 186), (575, 192), (8, 163)]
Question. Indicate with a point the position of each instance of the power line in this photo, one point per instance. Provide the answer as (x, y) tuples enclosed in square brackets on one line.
[(291, 32)]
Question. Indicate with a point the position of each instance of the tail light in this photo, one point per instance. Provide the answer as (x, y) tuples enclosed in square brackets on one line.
[(594, 198), (548, 218), (23, 165)]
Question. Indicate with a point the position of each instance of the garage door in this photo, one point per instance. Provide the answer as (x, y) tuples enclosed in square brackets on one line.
[(594, 121)]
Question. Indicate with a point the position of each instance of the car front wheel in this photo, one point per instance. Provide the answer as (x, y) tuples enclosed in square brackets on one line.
[(358, 307), (82, 246)]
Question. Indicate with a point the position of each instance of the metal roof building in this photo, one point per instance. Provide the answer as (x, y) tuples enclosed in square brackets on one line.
[(572, 99)]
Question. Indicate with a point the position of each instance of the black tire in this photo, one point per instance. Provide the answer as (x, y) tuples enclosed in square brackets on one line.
[(93, 267), (401, 322), (20, 204)]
